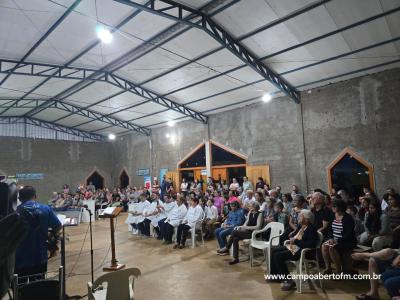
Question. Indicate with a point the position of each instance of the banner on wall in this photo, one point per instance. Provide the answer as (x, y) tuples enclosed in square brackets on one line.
[(162, 173), (29, 176), (147, 182), (142, 172)]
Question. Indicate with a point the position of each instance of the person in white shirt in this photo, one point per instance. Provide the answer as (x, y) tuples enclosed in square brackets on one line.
[(142, 206), (247, 185), (194, 214), (165, 209), (247, 199), (234, 185), (150, 213), (211, 216), (184, 187), (174, 219)]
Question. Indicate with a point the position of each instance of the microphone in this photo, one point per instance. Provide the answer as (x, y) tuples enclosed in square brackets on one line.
[(88, 209)]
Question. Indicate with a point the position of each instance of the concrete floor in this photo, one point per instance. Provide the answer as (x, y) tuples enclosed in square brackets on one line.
[(179, 274)]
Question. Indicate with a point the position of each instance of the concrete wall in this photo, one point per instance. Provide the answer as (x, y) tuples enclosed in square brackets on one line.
[(362, 113), (131, 152), (61, 162)]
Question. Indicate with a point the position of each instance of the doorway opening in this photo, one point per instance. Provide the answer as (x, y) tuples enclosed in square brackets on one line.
[(351, 173), (96, 179), (123, 180)]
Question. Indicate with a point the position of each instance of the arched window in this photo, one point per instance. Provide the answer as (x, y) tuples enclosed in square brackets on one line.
[(96, 179), (350, 172)]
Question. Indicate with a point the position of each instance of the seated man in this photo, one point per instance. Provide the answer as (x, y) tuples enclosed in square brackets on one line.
[(165, 209), (155, 214), (149, 212), (385, 262), (193, 215), (235, 218), (174, 219), (138, 213)]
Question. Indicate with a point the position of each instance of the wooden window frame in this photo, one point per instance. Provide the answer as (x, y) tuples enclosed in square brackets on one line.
[(357, 157)]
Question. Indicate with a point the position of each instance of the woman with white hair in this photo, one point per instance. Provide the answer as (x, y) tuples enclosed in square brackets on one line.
[(305, 236)]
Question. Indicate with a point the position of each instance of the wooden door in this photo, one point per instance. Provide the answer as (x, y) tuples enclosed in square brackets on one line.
[(253, 172), (174, 176), (216, 172), (198, 176)]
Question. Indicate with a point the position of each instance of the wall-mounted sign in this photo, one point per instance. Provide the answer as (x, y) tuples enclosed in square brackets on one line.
[(143, 172), (29, 176)]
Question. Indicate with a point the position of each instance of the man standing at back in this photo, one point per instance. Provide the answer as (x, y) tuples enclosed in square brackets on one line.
[(31, 255)]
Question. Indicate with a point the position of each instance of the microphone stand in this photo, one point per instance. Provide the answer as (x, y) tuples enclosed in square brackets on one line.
[(91, 241)]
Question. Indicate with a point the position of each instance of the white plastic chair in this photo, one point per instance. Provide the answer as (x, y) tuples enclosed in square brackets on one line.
[(120, 285), (277, 230), (197, 226), (303, 262), (100, 211)]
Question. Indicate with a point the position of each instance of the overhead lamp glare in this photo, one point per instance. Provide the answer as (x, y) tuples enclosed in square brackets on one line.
[(267, 98), (111, 136), (171, 123), (104, 35)]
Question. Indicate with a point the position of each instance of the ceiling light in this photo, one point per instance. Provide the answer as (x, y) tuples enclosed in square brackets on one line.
[(167, 135), (111, 136), (104, 35), (266, 97), (171, 123)]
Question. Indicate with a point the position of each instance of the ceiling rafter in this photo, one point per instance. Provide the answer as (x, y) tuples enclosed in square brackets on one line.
[(243, 37), (87, 113), (83, 52), (56, 127), (127, 58), (33, 66), (44, 37), (296, 46), (176, 11)]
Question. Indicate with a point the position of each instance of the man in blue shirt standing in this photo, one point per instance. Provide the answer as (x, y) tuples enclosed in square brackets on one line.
[(235, 218), (31, 254)]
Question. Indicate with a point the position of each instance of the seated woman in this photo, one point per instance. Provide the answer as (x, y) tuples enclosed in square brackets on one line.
[(393, 212), (287, 203), (176, 217), (377, 230), (305, 236), (341, 238), (280, 216), (253, 221), (193, 215), (211, 217)]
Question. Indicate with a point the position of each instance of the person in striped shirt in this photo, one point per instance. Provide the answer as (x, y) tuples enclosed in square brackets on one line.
[(341, 238)]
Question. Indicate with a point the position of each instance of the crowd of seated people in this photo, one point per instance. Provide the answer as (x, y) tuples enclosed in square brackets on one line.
[(231, 212), (75, 199)]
